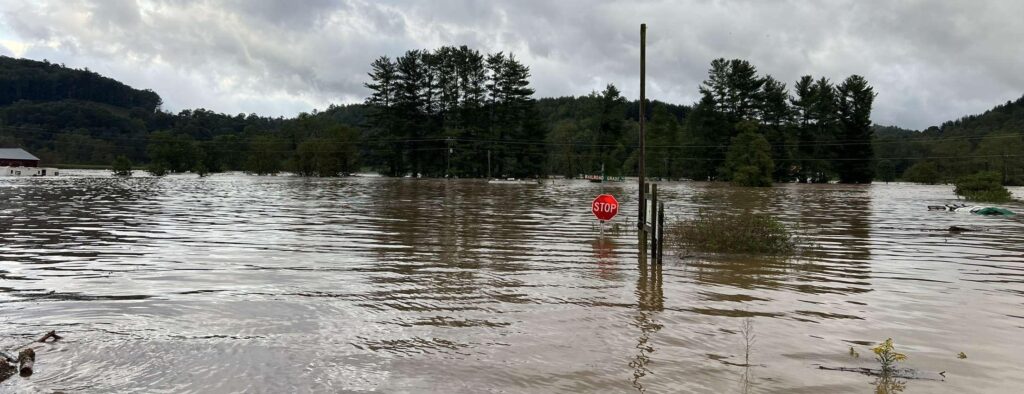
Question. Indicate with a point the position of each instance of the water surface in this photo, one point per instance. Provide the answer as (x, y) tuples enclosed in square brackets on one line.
[(236, 283)]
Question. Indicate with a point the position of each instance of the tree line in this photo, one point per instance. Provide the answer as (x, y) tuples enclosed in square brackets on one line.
[(456, 112)]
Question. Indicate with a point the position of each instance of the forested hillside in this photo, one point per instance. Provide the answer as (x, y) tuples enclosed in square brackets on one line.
[(454, 111), (23, 79), (991, 141)]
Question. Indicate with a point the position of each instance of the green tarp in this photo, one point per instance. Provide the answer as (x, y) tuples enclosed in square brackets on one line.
[(992, 211)]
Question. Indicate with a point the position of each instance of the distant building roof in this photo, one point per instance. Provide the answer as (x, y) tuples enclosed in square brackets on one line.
[(16, 154)]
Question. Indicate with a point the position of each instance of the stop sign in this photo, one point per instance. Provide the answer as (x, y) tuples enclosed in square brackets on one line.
[(605, 207)]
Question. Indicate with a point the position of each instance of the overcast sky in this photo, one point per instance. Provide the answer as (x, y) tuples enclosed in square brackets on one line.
[(929, 61)]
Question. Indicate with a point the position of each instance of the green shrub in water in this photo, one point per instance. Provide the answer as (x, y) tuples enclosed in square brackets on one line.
[(157, 168), (201, 170), (982, 187), (122, 166), (752, 233)]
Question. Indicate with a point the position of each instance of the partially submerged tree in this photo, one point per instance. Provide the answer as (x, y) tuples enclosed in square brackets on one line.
[(923, 172), (853, 163), (885, 171), (330, 155), (749, 161), (157, 168), (122, 166)]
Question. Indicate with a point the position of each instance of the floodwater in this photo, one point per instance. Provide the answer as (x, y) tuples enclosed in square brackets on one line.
[(235, 283)]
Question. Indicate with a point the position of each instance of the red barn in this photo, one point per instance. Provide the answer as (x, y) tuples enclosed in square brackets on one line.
[(17, 157)]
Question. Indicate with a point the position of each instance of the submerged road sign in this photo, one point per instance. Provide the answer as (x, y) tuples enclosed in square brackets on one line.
[(605, 207)]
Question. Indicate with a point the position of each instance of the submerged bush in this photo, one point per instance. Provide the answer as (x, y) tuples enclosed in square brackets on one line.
[(122, 166), (157, 168), (201, 170), (752, 233), (982, 187)]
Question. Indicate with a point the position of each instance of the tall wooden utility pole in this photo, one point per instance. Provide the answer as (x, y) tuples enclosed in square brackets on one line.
[(642, 217)]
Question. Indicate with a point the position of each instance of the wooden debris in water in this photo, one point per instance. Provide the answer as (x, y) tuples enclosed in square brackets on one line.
[(6, 369), (26, 360), (895, 373), (51, 334)]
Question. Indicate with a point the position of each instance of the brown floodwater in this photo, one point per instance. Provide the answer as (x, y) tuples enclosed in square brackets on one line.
[(236, 283)]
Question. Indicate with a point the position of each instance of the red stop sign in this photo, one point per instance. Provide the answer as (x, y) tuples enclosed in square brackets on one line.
[(605, 207)]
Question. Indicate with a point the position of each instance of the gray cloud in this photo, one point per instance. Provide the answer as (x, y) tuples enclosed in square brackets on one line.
[(929, 61)]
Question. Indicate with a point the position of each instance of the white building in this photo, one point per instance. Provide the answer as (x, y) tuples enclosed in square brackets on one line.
[(18, 162)]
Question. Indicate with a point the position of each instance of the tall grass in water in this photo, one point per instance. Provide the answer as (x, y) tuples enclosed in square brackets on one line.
[(750, 233)]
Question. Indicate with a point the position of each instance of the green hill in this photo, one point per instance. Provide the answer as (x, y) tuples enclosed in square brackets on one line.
[(24, 79), (990, 141)]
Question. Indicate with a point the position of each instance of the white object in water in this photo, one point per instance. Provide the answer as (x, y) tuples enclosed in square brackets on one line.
[(28, 171)]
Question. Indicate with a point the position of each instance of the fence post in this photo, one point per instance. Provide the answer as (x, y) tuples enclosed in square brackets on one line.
[(655, 234), (661, 231)]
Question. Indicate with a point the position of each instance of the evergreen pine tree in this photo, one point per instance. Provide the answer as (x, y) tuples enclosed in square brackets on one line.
[(855, 153)]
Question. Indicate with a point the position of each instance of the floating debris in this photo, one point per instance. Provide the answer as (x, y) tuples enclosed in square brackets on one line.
[(26, 358), (972, 209)]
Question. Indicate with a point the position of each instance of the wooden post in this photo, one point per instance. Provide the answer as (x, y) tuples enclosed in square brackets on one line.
[(655, 235), (661, 231), (642, 220)]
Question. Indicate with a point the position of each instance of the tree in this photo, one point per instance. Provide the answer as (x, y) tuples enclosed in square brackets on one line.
[(824, 129), (855, 98), (122, 166), (608, 125), (562, 143), (1001, 152), (923, 172), (446, 112), (802, 105), (410, 112), (157, 168), (749, 160), (330, 155), (776, 117), (734, 87), (265, 155), (201, 170), (174, 151), (663, 140), (886, 171)]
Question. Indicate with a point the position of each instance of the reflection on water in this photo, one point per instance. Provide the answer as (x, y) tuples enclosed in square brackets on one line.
[(888, 384), (281, 284), (650, 300)]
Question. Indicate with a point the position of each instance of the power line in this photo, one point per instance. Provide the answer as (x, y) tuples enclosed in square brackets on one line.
[(549, 143)]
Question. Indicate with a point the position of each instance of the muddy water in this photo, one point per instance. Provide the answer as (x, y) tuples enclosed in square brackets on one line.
[(276, 284)]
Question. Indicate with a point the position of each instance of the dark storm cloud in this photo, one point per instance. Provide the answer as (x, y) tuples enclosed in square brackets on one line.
[(929, 61)]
